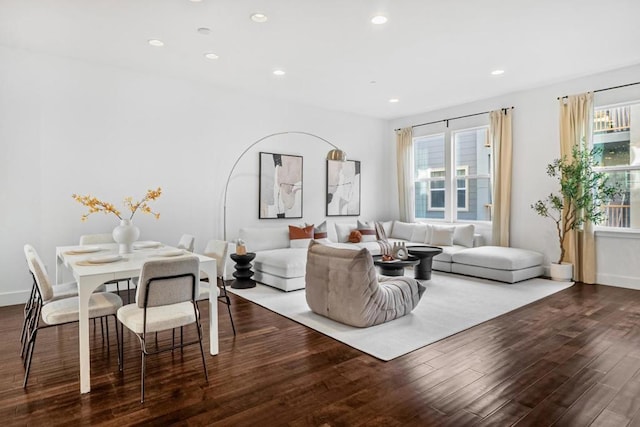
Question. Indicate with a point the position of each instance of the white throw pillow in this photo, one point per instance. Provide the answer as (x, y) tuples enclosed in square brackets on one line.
[(442, 235), (427, 235), (299, 237), (402, 230), (343, 231), (387, 225), (463, 235), (419, 233), (367, 231), (320, 233), (265, 238)]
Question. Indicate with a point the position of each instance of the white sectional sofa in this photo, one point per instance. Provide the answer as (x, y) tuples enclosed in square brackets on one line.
[(279, 265)]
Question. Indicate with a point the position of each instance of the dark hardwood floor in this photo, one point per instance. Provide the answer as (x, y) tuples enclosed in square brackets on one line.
[(572, 359)]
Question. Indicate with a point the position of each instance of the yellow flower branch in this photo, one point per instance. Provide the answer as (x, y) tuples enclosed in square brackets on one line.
[(96, 205)]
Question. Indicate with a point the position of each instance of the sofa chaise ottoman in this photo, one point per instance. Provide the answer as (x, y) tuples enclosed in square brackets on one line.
[(498, 263)]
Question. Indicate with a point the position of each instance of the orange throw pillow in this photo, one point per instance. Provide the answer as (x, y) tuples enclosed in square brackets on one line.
[(355, 236)]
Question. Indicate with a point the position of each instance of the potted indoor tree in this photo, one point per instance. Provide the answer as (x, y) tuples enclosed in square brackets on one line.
[(583, 193)]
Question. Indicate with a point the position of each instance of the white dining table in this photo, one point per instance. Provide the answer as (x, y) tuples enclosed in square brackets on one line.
[(90, 277)]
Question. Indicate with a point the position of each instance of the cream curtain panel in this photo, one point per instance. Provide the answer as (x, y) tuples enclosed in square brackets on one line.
[(576, 121), (404, 140), (500, 135)]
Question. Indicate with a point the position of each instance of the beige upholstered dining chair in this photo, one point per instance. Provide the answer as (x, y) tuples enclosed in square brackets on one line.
[(48, 311), (187, 242), (165, 300), (60, 291), (217, 249)]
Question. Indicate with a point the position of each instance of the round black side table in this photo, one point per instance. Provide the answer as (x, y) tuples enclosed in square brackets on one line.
[(243, 271), (395, 267), (422, 271)]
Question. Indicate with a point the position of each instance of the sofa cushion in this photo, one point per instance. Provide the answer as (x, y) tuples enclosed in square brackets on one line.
[(387, 226), (367, 232), (264, 238), (286, 263), (448, 252), (420, 232), (463, 235), (442, 235), (402, 230), (299, 237), (343, 230), (320, 231), (498, 257)]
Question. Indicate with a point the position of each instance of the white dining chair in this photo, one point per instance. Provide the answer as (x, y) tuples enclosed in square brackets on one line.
[(60, 291), (165, 300), (49, 312), (218, 250), (187, 242)]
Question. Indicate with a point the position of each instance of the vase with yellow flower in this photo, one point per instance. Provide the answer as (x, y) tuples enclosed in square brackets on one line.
[(126, 233)]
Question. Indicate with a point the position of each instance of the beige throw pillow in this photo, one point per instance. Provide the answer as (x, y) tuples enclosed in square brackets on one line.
[(442, 235), (463, 235)]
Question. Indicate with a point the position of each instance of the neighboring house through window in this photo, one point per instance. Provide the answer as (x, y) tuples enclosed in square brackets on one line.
[(441, 193), (616, 129)]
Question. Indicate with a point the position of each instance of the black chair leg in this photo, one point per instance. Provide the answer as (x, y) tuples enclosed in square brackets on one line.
[(142, 379), (30, 328), (231, 317), (106, 321), (30, 348), (227, 301), (204, 362), (121, 348)]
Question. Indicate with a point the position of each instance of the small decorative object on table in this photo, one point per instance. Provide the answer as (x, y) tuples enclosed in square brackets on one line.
[(241, 249), (400, 251), (126, 233)]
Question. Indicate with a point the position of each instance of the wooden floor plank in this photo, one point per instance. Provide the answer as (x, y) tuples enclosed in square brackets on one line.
[(570, 359)]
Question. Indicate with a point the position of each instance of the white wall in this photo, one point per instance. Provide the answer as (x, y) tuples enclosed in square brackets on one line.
[(535, 144), (68, 127)]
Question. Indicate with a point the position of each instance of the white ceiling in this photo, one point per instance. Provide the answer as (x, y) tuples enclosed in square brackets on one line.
[(431, 53)]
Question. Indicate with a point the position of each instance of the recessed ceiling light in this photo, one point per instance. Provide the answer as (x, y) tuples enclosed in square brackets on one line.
[(394, 100), (279, 72), (204, 31), (259, 17), (156, 43), (497, 72), (195, 1), (379, 20), (211, 55)]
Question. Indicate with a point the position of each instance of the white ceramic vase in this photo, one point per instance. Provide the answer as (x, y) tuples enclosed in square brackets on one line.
[(561, 272), (125, 234)]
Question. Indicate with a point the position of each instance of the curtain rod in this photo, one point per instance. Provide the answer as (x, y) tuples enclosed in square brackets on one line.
[(606, 89), (456, 118)]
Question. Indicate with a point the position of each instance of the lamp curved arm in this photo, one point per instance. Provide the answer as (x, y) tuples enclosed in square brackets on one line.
[(226, 186)]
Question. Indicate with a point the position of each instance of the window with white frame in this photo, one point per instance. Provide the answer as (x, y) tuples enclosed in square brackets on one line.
[(436, 190), (441, 193), (616, 130)]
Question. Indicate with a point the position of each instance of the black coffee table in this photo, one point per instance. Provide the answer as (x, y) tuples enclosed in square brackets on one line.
[(395, 267), (425, 253)]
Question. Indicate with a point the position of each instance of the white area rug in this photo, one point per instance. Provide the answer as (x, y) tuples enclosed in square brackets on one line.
[(451, 304)]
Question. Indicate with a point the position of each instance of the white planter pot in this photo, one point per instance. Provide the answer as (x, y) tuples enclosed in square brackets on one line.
[(561, 272)]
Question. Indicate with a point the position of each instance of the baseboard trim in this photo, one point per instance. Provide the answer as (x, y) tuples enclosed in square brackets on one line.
[(13, 298), (618, 280)]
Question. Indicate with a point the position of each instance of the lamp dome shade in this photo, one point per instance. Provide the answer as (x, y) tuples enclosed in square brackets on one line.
[(337, 154)]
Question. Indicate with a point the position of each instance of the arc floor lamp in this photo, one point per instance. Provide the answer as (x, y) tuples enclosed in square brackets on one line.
[(334, 154)]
